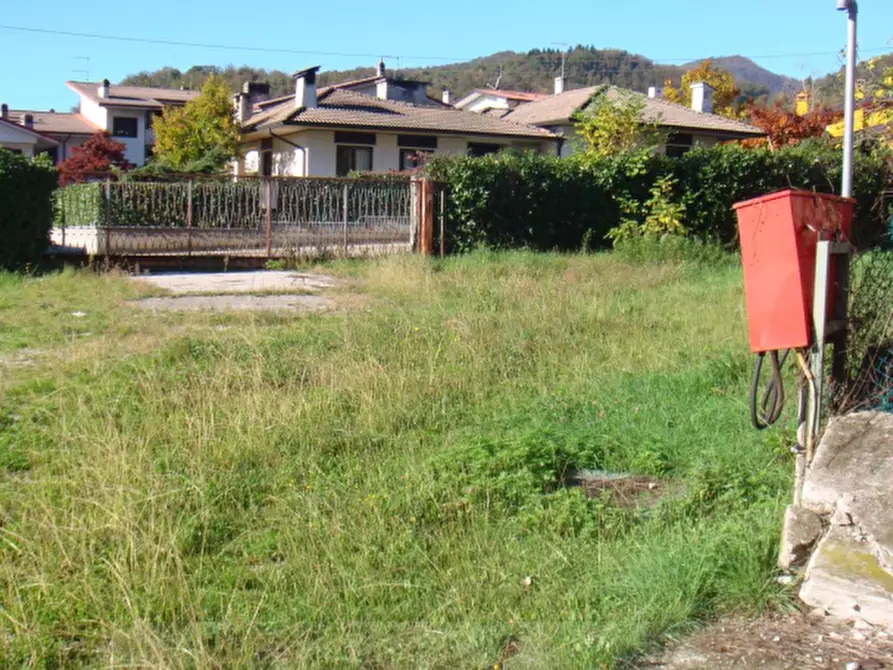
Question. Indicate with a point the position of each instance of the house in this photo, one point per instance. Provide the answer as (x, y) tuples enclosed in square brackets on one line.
[(492, 101), (51, 133), (23, 138), (379, 123), (126, 112), (686, 126)]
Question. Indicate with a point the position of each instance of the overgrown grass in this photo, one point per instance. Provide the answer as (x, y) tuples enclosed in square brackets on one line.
[(380, 488)]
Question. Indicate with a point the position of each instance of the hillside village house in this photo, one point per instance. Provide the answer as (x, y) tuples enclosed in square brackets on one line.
[(378, 123), (687, 127), (125, 112)]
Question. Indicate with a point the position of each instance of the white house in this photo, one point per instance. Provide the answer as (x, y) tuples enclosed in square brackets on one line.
[(378, 123), (687, 127), (126, 112), (22, 138), (491, 101), (53, 133)]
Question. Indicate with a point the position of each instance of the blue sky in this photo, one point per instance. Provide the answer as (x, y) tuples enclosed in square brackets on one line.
[(793, 37)]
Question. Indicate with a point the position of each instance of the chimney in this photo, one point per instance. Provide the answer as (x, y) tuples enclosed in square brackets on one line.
[(447, 96), (242, 106), (380, 69), (702, 97), (28, 121), (104, 88), (4, 112), (803, 103), (381, 89), (560, 84), (305, 88), (655, 92)]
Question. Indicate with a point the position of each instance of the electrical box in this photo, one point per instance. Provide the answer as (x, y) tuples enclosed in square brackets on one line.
[(778, 235)]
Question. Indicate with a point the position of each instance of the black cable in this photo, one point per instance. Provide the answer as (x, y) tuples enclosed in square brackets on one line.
[(765, 408)]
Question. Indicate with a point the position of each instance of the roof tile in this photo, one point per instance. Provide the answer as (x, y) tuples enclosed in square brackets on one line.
[(348, 109), (558, 109)]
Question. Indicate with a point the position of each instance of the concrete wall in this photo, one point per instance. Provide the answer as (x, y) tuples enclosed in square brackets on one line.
[(95, 113), (320, 149)]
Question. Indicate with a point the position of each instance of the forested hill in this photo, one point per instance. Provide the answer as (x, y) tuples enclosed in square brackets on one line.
[(531, 71)]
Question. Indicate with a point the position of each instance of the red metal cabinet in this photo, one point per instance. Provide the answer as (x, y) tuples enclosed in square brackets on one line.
[(778, 235)]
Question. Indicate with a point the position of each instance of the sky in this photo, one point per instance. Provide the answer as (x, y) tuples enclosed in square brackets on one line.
[(798, 38)]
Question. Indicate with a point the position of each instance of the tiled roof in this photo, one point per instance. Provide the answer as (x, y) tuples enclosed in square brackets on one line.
[(348, 109), (559, 108), (29, 131), (56, 122), (144, 97)]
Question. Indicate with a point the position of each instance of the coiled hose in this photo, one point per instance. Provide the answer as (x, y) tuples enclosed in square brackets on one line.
[(765, 407)]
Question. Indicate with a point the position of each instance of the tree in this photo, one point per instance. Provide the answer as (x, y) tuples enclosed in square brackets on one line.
[(614, 123), (97, 155), (785, 128), (725, 94), (203, 128)]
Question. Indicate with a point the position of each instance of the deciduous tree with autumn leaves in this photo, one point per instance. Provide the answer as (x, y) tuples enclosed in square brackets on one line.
[(726, 92)]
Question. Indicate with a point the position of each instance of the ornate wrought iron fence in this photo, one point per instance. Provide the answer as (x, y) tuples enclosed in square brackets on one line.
[(250, 217)]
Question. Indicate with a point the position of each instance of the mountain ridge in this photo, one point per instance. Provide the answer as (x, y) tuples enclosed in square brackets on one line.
[(532, 71)]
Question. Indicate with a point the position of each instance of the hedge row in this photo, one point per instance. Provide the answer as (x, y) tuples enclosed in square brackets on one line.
[(541, 202), (26, 208)]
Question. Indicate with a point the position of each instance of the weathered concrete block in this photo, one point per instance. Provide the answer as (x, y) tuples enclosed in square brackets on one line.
[(845, 579), (802, 529)]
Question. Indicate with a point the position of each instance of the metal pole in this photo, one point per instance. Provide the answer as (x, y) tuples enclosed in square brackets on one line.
[(269, 219), (846, 190), (442, 216), (345, 219)]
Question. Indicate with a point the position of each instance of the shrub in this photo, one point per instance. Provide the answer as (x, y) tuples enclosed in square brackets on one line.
[(542, 202), (527, 200), (712, 179), (26, 208)]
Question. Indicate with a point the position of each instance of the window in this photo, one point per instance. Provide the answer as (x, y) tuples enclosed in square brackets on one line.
[(477, 149), (150, 118), (52, 153), (679, 144), (352, 159), (266, 158), (417, 141), (124, 126), (414, 158), (345, 137)]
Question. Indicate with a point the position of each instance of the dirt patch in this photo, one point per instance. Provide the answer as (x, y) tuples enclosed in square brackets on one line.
[(623, 490), (793, 641), (227, 303)]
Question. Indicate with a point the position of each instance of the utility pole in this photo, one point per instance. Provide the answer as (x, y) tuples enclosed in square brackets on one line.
[(851, 7)]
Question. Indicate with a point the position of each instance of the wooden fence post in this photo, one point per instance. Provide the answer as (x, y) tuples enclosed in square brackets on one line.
[(345, 219), (269, 217), (426, 233)]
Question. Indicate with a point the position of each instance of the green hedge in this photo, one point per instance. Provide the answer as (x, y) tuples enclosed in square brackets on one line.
[(511, 200), (541, 202), (26, 208), (79, 205)]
